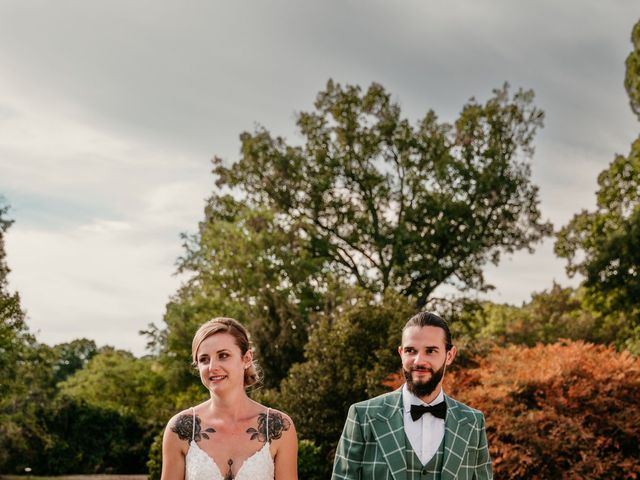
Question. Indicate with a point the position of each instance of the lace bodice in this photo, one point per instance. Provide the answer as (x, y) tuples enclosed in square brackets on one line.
[(200, 466)]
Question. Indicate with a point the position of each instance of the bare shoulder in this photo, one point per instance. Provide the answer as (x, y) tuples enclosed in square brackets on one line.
[(181, 424), (186, 425), (280, 425)]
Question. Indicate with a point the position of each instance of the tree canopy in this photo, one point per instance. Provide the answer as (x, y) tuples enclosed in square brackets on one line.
[(393, 205), (602, 245)]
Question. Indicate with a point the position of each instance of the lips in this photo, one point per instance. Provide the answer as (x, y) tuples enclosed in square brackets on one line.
[(217, 378)]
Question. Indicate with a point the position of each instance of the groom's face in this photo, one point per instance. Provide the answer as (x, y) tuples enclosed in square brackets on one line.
[(424, 358)]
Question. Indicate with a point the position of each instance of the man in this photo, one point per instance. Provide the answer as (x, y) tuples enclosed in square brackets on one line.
[(415, 432)]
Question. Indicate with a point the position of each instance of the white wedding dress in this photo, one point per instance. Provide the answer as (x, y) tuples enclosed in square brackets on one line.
[(200, 466)]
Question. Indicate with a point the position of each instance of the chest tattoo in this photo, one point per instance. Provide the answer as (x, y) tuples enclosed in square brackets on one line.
[(277, 425), (184, 428), (229, 475)]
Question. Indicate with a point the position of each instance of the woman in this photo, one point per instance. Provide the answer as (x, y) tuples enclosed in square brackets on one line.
[(229, 436)]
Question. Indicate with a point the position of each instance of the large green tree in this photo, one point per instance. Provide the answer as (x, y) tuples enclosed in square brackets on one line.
[(245, 263), (115, 379), (351, 348), (604, 245), (14, 336), (395, 205), (15, 352), (632, 78)]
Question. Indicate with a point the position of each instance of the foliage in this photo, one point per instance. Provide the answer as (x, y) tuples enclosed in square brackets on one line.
[(71, 436), (549, 315), (395, 205), (311, 462), (154, 462), (116, 380), (247, 264), (14, 335), (603, 245), (566, 410), (632, 78), (15, 352), (71, 357), (340, 357)]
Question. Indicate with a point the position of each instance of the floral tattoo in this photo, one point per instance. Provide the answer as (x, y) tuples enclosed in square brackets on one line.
[(277, 425), (183, 427)]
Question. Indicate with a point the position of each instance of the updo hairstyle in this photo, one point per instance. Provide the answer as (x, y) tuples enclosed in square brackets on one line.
[(238, 332)]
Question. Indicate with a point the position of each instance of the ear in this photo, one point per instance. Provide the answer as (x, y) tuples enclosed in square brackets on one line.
[(400, 351), (248, 357), (451, 354)]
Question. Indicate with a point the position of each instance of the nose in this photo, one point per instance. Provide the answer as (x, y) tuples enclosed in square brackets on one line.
[(420, 359), (212, 365)]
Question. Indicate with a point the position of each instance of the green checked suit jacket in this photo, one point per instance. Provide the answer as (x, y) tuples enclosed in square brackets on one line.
[(372, 445)]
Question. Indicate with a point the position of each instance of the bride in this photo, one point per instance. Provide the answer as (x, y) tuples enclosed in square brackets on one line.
[(230, 436)]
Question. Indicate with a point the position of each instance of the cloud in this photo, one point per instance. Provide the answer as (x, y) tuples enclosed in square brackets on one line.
[(110, 112)]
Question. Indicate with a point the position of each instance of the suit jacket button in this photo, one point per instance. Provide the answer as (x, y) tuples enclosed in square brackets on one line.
[(424, 471)]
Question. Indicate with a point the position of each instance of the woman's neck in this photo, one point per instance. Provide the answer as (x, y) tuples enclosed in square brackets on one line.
[(233, 405)]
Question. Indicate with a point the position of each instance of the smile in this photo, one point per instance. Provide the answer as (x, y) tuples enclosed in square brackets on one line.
[(217, 378)]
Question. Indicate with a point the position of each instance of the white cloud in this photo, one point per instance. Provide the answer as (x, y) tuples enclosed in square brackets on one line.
[(109, 114)]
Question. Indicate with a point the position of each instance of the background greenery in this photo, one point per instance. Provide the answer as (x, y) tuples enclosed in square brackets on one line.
[(324, 249)]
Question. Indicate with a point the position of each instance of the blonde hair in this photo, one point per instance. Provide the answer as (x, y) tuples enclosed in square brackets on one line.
[(238, 332)]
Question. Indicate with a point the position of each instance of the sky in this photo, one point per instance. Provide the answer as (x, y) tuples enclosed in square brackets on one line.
[(110, 113)]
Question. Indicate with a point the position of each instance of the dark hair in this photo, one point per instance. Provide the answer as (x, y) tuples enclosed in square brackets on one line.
[(429, 319)]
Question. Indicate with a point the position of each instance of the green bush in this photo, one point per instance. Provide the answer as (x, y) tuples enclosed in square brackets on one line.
[(312, 464), (154, 464)]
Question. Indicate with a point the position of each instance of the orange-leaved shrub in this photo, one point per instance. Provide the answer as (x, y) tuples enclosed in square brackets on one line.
[(567, 410)]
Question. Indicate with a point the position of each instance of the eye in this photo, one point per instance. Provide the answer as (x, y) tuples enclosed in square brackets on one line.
[(203, 359), (223, 355)]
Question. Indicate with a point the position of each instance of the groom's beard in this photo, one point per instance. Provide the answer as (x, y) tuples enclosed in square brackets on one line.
[(422, 389)]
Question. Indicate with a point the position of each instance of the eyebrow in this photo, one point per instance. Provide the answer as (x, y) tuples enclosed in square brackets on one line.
[(203, 354)]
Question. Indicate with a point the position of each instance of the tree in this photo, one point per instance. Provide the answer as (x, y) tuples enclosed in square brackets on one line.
[(69, 436), (15, 353), (550, 315), (71, 357), (245, 263), (632, 77), (565, 410), (116, 380), (603, 245), (397, 206), (14, 335), (345, 347)]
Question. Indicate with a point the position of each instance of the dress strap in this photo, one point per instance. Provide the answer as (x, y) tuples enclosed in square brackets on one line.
[(193, 423), (268, 424)]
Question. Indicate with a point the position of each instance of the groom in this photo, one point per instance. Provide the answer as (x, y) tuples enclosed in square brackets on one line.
[(415, 432)]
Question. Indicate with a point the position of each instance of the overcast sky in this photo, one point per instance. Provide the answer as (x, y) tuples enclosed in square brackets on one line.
[(111, 111)]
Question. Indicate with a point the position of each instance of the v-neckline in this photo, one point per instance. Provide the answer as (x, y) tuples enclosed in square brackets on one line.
[(213, 462)]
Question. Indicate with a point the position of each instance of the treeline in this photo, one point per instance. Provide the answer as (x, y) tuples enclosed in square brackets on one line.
[(324, 249)]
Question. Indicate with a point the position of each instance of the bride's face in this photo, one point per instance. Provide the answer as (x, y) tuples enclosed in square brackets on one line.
[(221, 363)]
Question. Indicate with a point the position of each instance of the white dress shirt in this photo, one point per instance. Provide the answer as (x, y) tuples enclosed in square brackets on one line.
[(426, 433)]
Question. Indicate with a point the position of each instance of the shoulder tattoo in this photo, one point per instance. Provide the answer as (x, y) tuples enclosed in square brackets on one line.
[(183, 427), (277, 424)]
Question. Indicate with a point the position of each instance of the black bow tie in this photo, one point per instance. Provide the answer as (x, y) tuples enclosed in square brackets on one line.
[(438, 411)]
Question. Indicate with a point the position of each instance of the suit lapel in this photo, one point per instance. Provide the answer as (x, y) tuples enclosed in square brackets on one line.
[(388, 427), (456, 438)]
